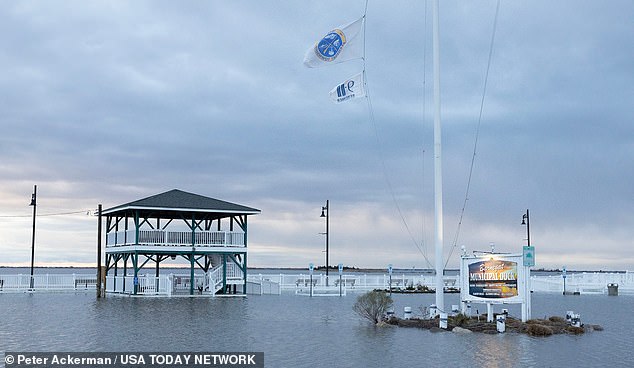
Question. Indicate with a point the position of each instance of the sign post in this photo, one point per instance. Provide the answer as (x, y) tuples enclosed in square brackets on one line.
[(389, 271), (310, 270), (340, 273), (496, 279), (528, 259), (563, 274), (528, 256)]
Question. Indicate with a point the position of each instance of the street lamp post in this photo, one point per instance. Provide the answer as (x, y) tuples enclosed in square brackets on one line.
[(34, 204), (325, 213), (526, 221)]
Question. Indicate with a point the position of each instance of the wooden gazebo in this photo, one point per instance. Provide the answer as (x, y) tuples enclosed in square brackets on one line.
[(206, 232)]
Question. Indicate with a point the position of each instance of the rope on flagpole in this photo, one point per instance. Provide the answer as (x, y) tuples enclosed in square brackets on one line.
[(380, 146), (477, 134)]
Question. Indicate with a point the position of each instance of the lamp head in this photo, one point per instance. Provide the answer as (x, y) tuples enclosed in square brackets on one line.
[(322, 212)]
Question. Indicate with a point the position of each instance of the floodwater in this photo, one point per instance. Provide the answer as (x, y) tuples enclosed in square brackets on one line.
[(300, 331)]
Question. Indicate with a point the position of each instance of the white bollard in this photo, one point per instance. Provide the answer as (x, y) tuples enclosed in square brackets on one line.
[(443, 320), (407, 313), (389, 313), (501, 322), (469, 310), (433, 311), (569, 316)]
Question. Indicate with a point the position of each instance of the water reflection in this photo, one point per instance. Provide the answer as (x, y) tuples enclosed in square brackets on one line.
[(496, 350)]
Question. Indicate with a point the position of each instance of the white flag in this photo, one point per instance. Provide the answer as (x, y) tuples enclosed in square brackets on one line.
[(348, 90), (341, 44)]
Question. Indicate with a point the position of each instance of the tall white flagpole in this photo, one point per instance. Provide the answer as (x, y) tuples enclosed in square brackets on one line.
[(440, 297)]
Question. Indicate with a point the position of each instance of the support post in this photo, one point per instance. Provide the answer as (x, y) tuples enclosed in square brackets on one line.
[(99, 274), (158, 261), (244, 272), (135, 263), (125, 269), (116, 272), (191, 261), (490, 312), (224, 273)]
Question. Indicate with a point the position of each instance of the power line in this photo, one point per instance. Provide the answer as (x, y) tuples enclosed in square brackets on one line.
[(87, 212)]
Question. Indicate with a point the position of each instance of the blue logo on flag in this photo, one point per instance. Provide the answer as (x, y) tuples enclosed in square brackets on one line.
[(342, 88), (331, 45)]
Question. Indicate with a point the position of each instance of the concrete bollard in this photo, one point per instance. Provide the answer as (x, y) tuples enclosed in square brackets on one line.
[(501, 323), (433, 311), (569, 316), (469, 310), (407, 313), (443, 320), (389, 313)]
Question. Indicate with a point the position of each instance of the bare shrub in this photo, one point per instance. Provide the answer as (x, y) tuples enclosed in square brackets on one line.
[(557, 319), (373, 305)]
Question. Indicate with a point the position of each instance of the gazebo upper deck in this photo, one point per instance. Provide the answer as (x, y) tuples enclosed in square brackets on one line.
[(149, 222)]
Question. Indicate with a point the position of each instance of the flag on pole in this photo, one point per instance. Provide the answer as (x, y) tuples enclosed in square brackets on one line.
[(341, 44), (349, 90)]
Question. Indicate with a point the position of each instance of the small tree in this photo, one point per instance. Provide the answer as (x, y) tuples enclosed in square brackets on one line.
[(373, 305)]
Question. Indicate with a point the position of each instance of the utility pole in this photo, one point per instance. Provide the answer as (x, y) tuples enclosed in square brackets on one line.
[(34, 204)]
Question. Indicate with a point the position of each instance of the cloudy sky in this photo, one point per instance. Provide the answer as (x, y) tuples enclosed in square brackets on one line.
[(113, 101)]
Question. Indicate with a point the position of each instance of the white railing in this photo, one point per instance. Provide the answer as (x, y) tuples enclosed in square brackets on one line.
[(263, 287), (146, 285), (584, 283), (176, 238), (215, 278), (234, 272), (361, 282), (47, 282)]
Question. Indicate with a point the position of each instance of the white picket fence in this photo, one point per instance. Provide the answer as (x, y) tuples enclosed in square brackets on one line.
[(47, 282)]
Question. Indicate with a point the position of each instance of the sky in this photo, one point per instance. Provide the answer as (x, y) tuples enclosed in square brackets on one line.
[(112, 101)]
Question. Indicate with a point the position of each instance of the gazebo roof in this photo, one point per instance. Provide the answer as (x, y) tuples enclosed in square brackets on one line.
[(175, 203)]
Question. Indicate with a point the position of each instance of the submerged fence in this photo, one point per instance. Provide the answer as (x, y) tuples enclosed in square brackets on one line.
[(47, 282), (582, 283)]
